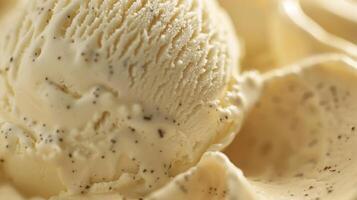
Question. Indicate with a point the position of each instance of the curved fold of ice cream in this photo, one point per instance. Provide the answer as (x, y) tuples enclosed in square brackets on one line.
[(292, 30), (214, 177), (104, 96), (299, 30), (337, 17), (299, 142)]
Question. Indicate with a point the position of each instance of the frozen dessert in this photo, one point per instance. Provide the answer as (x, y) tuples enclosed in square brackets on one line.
[(299, 140), (144, 99), (115, 96), (252, 21), (336, 17), (214, 177), (296, 26), (293, 30), (305, 144)]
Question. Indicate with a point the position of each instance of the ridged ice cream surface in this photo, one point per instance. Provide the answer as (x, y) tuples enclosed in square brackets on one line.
[(103, 96), (163, 100)]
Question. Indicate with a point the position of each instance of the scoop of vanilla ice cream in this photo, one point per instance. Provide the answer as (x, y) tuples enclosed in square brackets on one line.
[(115, 96)]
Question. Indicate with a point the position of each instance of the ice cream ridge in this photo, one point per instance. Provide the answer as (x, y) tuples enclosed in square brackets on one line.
[(157, 100), (115, 97)]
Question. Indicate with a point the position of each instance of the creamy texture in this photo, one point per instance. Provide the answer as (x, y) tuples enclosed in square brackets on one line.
[(300, 141), (295, 26), (252, 21), (282, 32), (214, 178), (115, 96), (336, 17)]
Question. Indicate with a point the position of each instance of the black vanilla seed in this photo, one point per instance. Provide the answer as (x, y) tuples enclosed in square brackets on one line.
[(147, 118), (161, 133)]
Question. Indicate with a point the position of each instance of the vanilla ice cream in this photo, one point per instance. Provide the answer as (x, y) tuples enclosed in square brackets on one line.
[(252, 21), (305, 144), (276, 33), (337, 17), (103, 100), (299, 141), (115, 96), (300, 29)]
